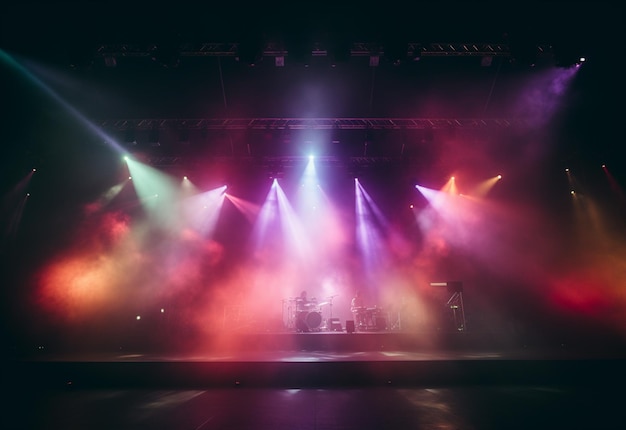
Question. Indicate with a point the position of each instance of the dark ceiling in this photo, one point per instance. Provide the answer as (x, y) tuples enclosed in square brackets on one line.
[(189, 71)]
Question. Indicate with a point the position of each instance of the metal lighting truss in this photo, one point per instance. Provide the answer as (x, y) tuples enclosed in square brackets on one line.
[(277, 49), (311, 123), (287, 124)]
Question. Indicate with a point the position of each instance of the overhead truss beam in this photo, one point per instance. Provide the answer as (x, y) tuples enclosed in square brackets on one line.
[(311, 123), (357, 49), (274, 163)]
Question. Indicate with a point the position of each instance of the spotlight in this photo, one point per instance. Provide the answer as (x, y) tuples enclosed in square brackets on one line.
[(411, 206), (567, 170), (34, 170), (185, 178), (572, 192), (110, 61), (499, 176)]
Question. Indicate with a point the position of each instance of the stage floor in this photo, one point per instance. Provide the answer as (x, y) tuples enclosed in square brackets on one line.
[(322, 381)]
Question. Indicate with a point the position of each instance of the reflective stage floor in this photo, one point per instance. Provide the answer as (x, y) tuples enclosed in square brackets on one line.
[(323, 381)]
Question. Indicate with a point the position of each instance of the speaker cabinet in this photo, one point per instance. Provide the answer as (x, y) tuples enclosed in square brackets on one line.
[(350, 326), (334, 324)]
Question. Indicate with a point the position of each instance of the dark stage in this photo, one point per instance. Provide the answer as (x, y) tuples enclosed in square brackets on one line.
[(326, 380)]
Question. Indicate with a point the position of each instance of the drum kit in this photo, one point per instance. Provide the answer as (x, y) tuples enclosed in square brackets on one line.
[(305, 315)]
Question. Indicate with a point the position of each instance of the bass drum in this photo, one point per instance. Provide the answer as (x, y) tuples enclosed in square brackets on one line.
[(308, 321)]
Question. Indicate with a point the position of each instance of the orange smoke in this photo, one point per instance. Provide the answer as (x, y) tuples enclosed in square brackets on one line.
[(75, 287)]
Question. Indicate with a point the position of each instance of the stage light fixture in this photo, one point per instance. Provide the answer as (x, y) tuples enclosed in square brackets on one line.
[(567, 54), (110, 61)]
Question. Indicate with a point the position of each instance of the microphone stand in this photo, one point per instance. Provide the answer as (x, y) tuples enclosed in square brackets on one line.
[(330, 304)]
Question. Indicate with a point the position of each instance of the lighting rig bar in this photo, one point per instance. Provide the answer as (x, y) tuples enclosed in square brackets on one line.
[(277, 49), (311, 123), (468, 49), (273, 164)]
